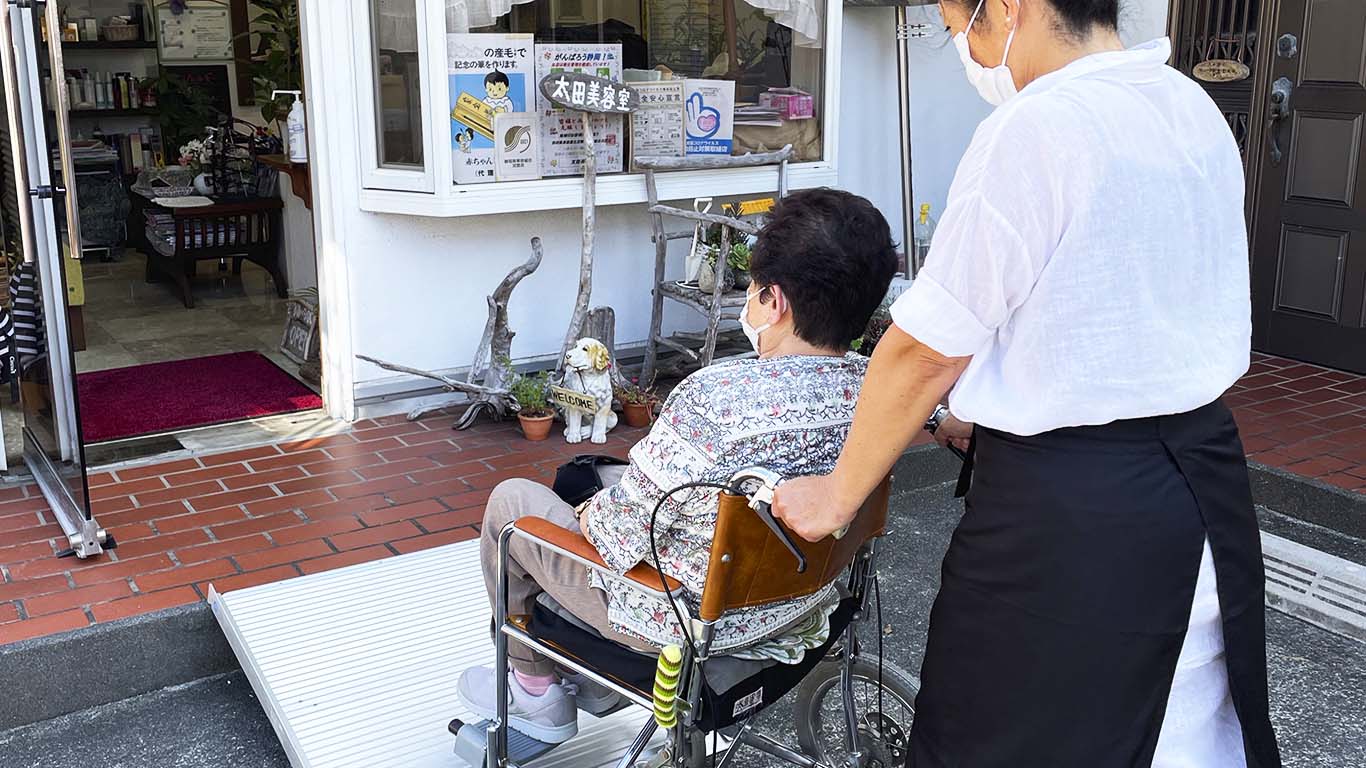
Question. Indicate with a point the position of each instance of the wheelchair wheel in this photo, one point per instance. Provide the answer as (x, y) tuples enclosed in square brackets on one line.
[(883, 731)]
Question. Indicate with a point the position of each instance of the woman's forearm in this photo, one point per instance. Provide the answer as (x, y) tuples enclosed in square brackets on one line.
[(905, 381)]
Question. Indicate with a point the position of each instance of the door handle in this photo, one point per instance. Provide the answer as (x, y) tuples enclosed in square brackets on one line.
[(1280, 109), (62, 107)]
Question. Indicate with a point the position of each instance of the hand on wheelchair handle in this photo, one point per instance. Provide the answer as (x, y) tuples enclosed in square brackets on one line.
[(804, 505)]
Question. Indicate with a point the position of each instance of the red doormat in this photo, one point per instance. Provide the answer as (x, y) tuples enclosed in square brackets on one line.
[(146, 399)]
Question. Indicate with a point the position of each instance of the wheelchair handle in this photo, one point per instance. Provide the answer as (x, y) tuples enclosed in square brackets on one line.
[(761, 501)]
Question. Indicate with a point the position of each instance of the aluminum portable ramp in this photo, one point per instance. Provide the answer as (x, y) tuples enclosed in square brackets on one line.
[(357, 667)]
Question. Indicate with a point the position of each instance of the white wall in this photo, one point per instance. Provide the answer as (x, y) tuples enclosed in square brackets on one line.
[(945, 110), (416, 286)]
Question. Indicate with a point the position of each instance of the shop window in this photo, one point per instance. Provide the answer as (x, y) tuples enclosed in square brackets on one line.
[(749, 75), (398, 95)]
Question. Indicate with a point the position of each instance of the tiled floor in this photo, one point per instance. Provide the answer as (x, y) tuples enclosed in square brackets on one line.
[(1305, 419), (391, 486), (129, 321)]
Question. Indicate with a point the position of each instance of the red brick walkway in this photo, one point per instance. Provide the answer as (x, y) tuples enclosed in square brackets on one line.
[(391, 487), (259, 515), (1305, 419)]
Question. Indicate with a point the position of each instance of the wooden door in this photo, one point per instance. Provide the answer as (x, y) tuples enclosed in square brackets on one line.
[(1309, 239)]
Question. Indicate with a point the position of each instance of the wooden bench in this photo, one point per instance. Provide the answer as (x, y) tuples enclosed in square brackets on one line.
[(246, 230)]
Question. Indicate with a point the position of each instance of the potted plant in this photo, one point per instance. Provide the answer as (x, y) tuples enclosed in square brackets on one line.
[(637, 404), (739, 264), (533, 408)]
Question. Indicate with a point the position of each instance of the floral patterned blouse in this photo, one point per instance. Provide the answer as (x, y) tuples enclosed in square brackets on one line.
[(790, 414)]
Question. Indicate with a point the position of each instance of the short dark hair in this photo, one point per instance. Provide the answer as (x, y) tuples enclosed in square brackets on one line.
[(832, 254), (496, 77), (1077, 16)]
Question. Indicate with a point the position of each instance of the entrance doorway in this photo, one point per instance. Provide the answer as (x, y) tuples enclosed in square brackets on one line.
[(160, 273), (1299, 114)]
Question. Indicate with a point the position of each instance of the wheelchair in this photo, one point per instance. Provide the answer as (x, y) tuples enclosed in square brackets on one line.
[(851, 710)]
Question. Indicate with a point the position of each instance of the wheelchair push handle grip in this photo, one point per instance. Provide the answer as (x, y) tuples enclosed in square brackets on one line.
[(761, 501)]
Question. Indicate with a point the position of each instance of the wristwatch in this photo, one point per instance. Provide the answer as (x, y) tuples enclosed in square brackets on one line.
[(936, 418)]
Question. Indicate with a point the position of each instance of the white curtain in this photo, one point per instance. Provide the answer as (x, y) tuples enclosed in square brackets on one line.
[(396, 25), (464, 15), (803, 17)]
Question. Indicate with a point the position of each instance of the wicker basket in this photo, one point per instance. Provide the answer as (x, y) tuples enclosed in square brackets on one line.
[(121, 33)]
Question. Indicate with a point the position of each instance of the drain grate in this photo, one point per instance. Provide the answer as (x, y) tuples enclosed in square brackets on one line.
[(1323, 590)]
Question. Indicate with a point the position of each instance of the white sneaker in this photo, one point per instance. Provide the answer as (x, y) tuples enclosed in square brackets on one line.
[(550, 717), (593, 698)]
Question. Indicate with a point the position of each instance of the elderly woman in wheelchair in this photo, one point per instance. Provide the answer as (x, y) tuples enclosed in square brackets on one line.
[(682, 551)]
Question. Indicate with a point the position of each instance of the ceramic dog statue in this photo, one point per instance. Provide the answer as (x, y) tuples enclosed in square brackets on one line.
[(587, 369)]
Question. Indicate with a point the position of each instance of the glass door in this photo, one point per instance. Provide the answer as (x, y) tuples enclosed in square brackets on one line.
[(36, 108)]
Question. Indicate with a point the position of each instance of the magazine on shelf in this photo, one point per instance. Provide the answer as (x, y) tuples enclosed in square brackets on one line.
[(562, 150), (490, 74)]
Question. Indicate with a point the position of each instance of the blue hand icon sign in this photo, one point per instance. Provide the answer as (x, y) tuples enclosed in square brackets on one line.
[(703, 121)]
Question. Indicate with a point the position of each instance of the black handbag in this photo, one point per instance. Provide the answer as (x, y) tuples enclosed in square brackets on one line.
[(583, 476)]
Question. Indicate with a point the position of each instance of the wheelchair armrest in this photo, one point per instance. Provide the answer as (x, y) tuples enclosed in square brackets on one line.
[(574, 545)]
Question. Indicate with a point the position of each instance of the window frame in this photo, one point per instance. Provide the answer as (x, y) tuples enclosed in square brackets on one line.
[(375, 175), (434, 194)]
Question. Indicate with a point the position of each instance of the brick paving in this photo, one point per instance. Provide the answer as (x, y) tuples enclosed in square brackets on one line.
[(1305, 419), (389, 486)]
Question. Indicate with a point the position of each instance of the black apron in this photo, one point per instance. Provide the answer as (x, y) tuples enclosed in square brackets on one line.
[(1067, 590)]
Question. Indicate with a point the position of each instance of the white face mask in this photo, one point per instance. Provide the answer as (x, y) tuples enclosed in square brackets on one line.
[(996, 84), (751, 332)]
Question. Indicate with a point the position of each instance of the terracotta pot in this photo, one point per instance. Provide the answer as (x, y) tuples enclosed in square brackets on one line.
[(637, 414), (536, 428)]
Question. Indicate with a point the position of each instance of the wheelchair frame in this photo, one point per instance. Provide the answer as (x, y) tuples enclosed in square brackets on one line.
[(695, 653)]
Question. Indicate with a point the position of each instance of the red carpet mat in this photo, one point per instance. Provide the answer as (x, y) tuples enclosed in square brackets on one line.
[(146, 399)]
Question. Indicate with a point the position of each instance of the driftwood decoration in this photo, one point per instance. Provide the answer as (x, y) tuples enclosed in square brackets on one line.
[(490, 374), (587, 95), (601, 324)]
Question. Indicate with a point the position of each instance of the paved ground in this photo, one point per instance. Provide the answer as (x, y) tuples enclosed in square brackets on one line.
[(1316, 681)]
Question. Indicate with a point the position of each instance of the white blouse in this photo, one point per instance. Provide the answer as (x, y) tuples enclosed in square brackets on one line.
[(1092, 258)]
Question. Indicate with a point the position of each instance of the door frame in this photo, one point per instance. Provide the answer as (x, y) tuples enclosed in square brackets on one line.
[(42, 250), (1255, 160)]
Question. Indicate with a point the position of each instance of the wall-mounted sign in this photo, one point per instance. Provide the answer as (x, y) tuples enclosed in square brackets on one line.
[(589, 93), (200, 31), (1221, 71)]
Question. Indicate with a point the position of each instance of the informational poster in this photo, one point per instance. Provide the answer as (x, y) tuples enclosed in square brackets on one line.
[(517, 152), (490, 74), (201, 31), (709, 116), (562, 148), (657, 125)]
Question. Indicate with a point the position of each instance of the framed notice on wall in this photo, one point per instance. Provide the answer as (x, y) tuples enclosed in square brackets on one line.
[(201, 31)]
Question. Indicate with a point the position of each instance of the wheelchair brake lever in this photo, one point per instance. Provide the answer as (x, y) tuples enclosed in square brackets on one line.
[(761, 501)]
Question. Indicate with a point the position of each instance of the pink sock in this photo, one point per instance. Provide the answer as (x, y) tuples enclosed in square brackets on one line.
[(535, 685)]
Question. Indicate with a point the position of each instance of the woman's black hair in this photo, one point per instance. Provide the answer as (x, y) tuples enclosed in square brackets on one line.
[(832, 254), (1077, 16)]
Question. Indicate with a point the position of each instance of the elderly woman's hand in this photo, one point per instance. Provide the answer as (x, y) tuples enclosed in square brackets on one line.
[(953, 431), (808, 506)]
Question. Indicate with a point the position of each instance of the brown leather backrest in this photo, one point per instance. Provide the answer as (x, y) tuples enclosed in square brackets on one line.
[(750, 566)]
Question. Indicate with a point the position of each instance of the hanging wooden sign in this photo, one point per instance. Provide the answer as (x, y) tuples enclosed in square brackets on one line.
[(588, 93), (568, 398), (1221, 71)]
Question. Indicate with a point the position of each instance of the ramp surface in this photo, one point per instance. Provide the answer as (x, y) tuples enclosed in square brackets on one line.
[(357, 668)]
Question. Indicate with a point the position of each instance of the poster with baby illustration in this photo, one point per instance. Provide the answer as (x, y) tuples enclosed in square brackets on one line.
[(490, 74)]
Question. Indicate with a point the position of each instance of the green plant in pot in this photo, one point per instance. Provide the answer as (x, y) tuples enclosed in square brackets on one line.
[(533, 405), (184, 111), (276, 61), (637, 404)]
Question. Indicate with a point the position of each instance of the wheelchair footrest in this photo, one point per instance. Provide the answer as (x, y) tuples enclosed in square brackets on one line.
[(471, 742)]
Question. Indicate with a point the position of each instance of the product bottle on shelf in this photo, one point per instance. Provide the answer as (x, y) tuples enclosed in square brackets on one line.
[(924, 233)]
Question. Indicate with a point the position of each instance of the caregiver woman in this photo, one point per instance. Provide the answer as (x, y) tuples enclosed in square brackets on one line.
[(1087, 300)]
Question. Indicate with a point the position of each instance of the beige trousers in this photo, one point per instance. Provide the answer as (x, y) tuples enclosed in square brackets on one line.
[(533, 570)]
